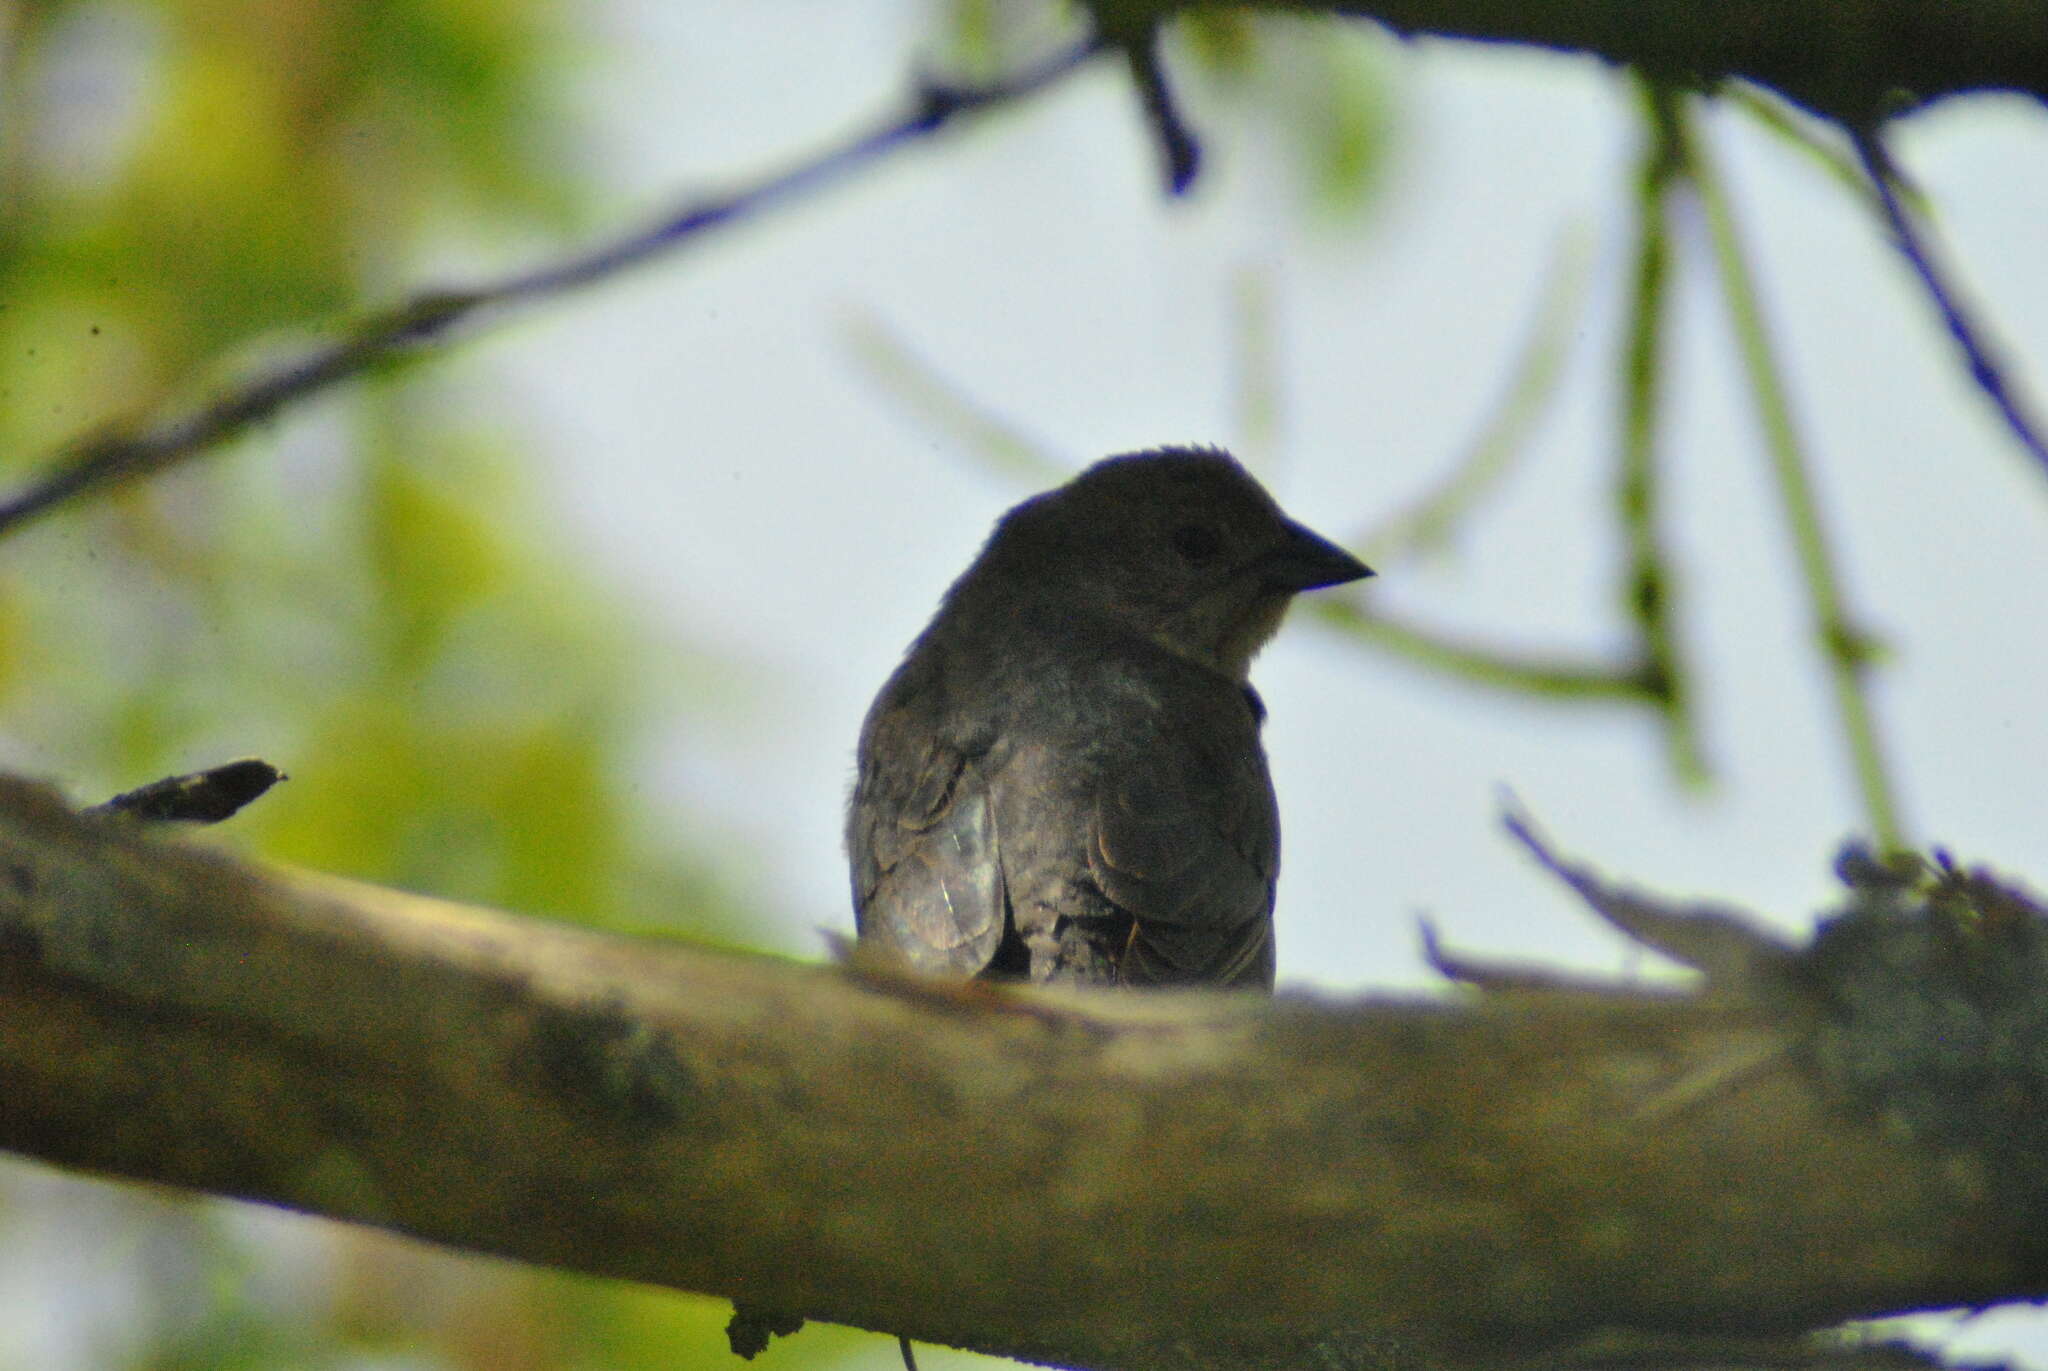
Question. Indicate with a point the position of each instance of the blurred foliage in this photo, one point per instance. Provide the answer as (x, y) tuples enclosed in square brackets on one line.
[(362, 595), (1428, 522), (1319, 86), (923, 390), (179, 176)]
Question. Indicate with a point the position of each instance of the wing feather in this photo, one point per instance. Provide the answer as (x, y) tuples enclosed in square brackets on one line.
[(927, 863), (1190, 849)]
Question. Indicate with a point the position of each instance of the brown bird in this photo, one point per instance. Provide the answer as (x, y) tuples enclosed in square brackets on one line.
[(1063, 781)]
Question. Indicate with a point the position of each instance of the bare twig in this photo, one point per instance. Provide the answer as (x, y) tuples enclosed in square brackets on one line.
[(1553, 677), (1526, 391), (1255, 367), (198, 797), (1180, 153), (1969, 334), (1650, 588), (1813, 138), (975, 427), (1844, 647), (1737, 955), (97, 462)]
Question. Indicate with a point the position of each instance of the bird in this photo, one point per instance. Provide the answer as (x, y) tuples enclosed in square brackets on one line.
[(1063, 781)]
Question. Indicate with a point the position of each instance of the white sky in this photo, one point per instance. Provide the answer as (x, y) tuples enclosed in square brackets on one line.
[(721, 456)]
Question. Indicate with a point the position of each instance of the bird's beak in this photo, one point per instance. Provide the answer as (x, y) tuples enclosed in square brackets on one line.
[(1308, 561)]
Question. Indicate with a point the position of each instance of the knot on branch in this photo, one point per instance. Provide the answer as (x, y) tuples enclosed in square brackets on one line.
[(751, 1329), (1935, 1018)]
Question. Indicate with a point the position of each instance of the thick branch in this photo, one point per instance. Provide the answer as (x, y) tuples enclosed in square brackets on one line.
[(1850, 59), (1185, 1180)]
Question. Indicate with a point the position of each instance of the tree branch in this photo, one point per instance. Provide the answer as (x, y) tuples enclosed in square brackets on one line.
[(1850, 59), (122, 453), (1134, 1181), (1853, 60), (1986, 372)]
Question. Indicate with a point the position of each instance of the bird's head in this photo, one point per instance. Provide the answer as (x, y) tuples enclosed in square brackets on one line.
[(1178, 544)]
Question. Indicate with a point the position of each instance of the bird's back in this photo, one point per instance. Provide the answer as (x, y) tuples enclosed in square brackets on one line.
[(1065, 804)]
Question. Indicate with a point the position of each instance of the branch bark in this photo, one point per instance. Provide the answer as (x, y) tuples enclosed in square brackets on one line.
[(1854, 60), (1134, 1181)]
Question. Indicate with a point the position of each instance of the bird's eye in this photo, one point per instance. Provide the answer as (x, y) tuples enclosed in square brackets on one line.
[(1198, 543)]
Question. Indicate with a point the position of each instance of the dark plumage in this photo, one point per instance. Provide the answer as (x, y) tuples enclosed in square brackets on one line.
[(1063, 781)]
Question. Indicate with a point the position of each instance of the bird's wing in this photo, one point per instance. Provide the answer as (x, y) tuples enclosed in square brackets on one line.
[(928, 873), (1189, 848), (1239, 958)]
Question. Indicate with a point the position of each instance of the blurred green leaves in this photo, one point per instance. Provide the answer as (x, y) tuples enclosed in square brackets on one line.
[(182, 175), (368, 594), (381, 616), (1319, 86)]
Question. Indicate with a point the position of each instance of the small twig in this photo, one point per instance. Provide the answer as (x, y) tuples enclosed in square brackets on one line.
[(1553, 677), (968, 423), (1735, 954), (199, 797), (1497, 976), (1805, 133), (1843, 646), (751, 1328), (1180, 154), (1985, 371), (97, 462), (1504, 430), (1650, 588), (1255, 366)]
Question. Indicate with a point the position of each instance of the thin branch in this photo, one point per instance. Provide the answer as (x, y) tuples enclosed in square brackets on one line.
[(95, 463), (1552, 677), (1504, 431), (1843, 647), (1651, 585), (980, 430), (1865, 168), (1736, 955), (1970, 336), (935, 399), (198, 797), (1816, 140), (1180, 152), (1256, 373)]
